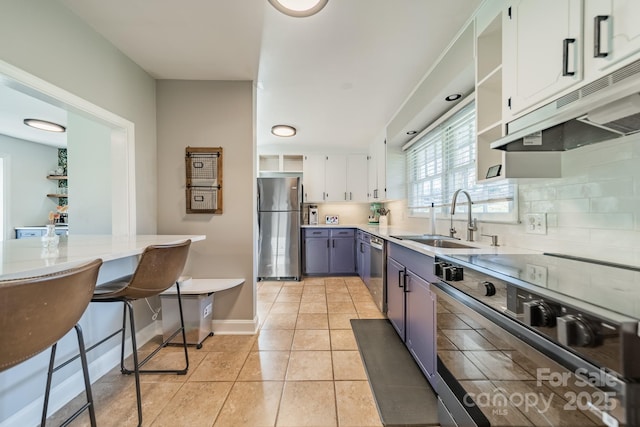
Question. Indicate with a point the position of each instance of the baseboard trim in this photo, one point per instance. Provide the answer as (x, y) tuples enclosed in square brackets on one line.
[(235, 327), (67, 390)]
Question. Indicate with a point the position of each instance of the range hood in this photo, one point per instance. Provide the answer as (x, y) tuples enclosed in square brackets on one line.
[(599, 111)]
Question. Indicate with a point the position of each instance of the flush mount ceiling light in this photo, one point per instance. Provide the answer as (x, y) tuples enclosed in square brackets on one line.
[(299, 8), (453, 97), (44, 125), (283, 130), (412, 132)]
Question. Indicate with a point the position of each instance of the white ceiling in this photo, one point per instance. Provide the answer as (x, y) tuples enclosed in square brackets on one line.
[(338, 76)]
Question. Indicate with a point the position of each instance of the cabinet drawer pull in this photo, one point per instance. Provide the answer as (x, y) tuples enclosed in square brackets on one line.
[(597, 36), (565, 57)]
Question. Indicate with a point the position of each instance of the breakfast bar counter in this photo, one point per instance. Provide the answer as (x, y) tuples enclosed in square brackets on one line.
[(27, 257)]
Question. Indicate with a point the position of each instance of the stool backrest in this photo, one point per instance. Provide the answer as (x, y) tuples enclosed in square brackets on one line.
[(158, 269), (35, 312)]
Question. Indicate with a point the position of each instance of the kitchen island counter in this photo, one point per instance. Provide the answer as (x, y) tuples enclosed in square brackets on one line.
[(26, 257)]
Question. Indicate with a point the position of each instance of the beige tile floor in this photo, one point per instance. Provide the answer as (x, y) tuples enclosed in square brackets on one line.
[(302, 368)]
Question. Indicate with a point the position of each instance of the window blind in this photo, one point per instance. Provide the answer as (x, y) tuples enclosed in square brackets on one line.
[(444, 160)]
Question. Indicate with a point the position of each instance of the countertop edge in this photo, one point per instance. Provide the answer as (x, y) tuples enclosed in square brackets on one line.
[(25, 257), (387, 232)]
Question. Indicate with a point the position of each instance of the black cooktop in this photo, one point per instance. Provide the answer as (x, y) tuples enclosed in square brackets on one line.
[(611, 286)]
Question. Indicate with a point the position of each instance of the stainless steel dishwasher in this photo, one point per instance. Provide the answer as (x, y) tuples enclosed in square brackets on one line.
[(376, 282)]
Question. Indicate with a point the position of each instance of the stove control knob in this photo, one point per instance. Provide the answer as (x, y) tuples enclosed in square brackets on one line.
[(452, 274), (539, 313), (438, 268), (487, 288), (577, 331)]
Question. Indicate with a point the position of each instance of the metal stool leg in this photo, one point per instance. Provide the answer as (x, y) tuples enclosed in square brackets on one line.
[(47, 389), (87, 383), (87, 380), (136, 367)]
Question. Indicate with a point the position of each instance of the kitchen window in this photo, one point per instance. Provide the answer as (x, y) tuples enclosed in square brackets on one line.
[(442, 159)]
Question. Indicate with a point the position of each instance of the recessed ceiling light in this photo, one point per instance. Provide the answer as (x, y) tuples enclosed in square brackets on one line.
[(453, 97), (299, 8), (412, 132), (283, 130), (44, 125)]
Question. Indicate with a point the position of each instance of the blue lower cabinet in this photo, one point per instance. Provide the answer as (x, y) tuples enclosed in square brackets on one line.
[(316, 255), (342, 255), (411, 305), (329, 251)]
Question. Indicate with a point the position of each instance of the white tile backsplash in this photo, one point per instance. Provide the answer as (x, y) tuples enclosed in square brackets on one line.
[(593, 210)]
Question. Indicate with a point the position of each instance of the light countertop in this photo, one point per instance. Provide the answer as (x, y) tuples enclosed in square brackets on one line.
[(26, 257), (389, 231)]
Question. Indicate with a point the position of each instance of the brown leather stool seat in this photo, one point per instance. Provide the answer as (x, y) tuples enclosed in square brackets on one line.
[(159, 268), (37, 312)]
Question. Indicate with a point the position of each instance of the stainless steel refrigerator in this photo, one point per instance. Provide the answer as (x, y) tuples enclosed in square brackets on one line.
[(279, 215)]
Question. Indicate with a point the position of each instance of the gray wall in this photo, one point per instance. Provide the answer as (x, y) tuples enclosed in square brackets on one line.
[(89, 171), (211, 114), (45, 39), (26, 165)]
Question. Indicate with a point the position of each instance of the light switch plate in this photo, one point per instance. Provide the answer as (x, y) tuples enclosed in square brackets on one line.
[(536, 223)]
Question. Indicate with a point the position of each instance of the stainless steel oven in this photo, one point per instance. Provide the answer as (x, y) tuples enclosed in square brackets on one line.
[(537, 340)]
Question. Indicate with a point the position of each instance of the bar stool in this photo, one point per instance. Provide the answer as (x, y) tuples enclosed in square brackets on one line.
[(158, 269), (42, 310)]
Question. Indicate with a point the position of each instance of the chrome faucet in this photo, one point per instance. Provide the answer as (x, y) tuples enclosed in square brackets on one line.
[(471, 223)]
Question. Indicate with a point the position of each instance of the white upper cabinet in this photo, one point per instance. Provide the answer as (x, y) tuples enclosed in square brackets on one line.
[(335, 178), (313, 177), (357, 174), (612, 33), (542, 51), (376, 190)]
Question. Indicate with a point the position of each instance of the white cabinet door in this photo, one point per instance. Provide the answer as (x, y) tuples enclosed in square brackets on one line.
[(377, 171), (313, 174), (542, 50), (357, 175), (381, 169), (612, 33), (372, 181), (335, 181)]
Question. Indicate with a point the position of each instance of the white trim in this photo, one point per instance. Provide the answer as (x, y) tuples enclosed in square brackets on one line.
[(235, 327), (459, 106), (68, 389), (122, 139)]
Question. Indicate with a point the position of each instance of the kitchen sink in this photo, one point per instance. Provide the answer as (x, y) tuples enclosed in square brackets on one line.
[(435, 241)]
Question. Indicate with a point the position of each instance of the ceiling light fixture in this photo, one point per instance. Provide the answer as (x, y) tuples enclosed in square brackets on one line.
[(44, 125), (453, 97), (299, 8), (283, 130), (412, 132)]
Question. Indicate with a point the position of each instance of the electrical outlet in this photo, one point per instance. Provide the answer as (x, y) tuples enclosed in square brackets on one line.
[(536, 274), (536, 223)]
